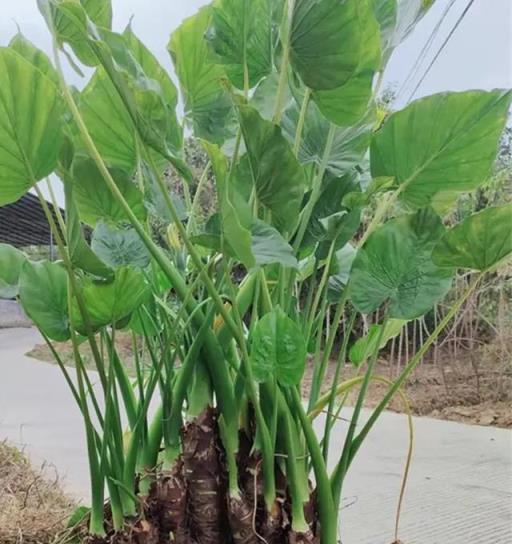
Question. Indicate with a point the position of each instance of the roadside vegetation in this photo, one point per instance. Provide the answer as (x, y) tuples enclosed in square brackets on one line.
[(332, 232)]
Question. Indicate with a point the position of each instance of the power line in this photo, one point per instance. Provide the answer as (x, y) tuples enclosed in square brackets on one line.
[(440, 50), (425, 50)]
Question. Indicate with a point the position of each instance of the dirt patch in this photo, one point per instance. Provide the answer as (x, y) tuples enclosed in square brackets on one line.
[(33, 508), (475, 388)]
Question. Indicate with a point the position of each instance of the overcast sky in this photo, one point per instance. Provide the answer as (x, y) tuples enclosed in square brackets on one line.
[(479, 55)]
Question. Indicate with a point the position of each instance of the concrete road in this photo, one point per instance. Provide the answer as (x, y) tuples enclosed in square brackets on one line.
[(460, 485)]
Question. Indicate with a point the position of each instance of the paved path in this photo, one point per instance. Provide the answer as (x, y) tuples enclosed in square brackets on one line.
[(460, 486)]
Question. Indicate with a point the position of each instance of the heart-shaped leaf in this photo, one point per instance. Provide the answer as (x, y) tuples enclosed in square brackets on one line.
[(278, 349), (111, 302), (119, 246), (395, 266), (445, 142), (43, 290)]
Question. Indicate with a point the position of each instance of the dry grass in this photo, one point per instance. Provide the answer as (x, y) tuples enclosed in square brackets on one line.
[(33, 508)]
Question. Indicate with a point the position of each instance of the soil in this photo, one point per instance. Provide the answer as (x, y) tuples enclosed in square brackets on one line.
[(474, 387), (33, 508)]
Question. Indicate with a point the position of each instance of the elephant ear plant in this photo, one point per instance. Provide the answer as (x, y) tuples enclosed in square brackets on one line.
[(322, 214)]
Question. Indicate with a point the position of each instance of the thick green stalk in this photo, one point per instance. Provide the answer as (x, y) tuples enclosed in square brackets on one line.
[(327, 512)]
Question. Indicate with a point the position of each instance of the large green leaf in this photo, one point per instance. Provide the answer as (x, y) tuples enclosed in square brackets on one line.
[(35, 56), (80, 254), (480, 242), (234, 211), (240, 33), (119, 246), (44, 296), (365, 346), (395, 266), (445, 142), (11, 261), (111, 302), (277, 176), (347, 104), (349, 146), (208, 107), (278, 349), (30, 125), (94, 199), (325, 42)]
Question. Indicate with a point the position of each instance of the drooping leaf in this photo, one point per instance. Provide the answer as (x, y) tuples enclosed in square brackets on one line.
[(347, 104), (119, 246), (30, 125), (234, 211), (395, 266), (11, 262), (94, 199), (111, 302), (150, 76), (80, 254), (278, 349), (208, 106), (349, 146), (43, 294), (240, 33), (480, 242), (365, 346), (325, 42), (278, 178), (445, 142), (339, 277)]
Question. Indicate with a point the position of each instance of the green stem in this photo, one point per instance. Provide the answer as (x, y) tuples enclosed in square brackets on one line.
[(339, 365), (326, 508), (411, 365), (283, 75), (301, 122), (342, 466)]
